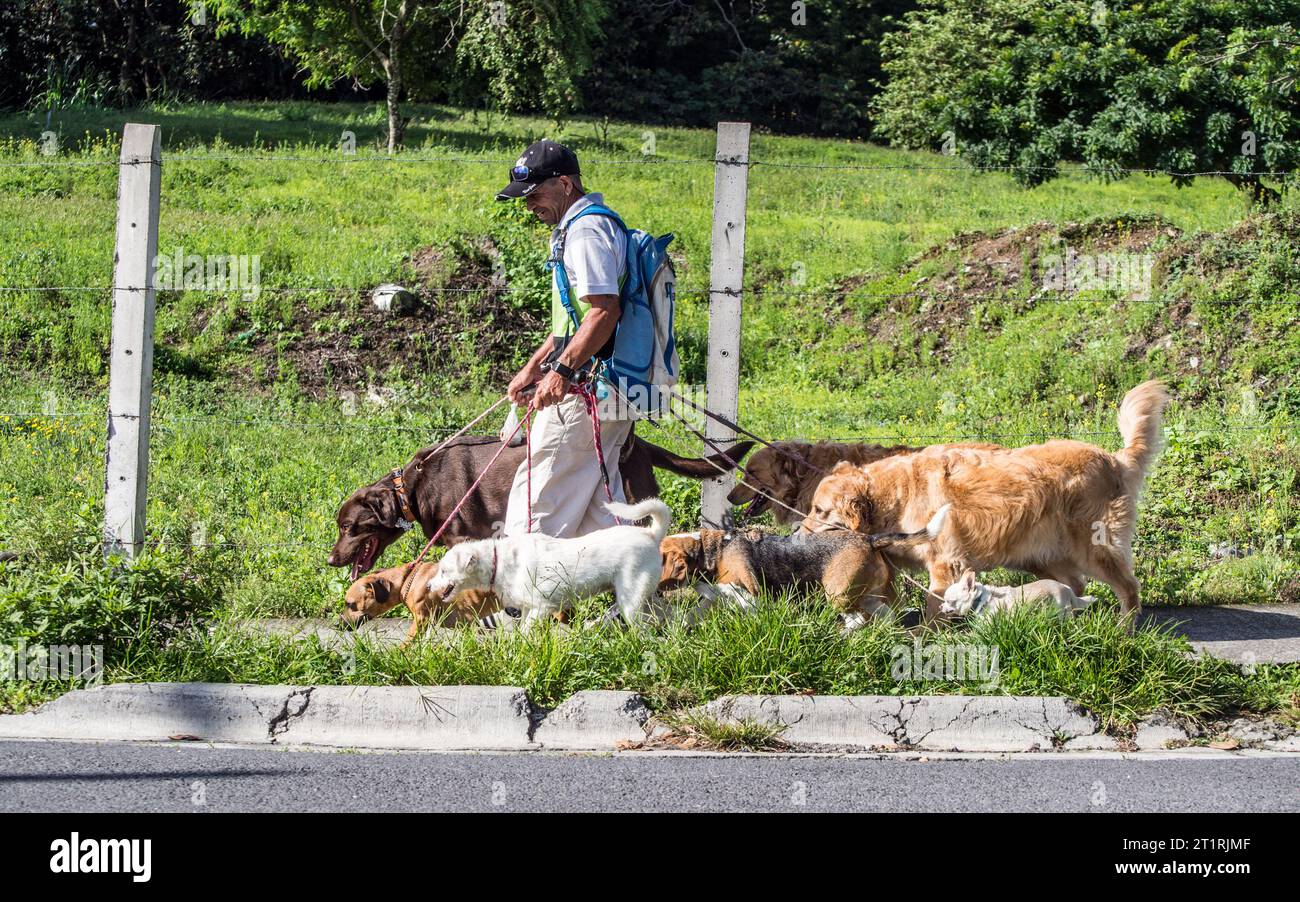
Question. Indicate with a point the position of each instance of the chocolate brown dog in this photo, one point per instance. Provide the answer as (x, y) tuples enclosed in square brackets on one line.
[(427, 489), (374, 594), (852, 569)]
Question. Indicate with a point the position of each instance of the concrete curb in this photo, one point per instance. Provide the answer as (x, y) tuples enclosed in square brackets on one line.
[(415, 717), (594, 719), (495, 718), (939, 722)]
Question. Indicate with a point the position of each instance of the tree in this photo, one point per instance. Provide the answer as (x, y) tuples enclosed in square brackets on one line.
[(529, 55), (803, 67), (1175, 85), (399, 43), (527, 51), (60, 53)]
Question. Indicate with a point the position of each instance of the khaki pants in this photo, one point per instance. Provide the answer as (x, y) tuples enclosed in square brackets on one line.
[(568, 492)]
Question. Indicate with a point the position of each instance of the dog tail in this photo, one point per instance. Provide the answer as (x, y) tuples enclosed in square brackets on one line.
[(1085, 601), (935, 526), (660, 516), (697, 467), (1139, 423), (929, 534)]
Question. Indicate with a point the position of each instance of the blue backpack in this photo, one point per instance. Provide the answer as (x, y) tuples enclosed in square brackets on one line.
[(644, 363)]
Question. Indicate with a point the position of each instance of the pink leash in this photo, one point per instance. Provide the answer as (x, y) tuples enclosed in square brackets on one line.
[(528, 444), (459, 504)]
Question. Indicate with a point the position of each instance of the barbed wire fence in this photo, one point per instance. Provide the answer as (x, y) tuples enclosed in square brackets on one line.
[(129, 416)]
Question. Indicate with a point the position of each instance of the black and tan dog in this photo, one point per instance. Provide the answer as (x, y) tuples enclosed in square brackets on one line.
[(852, 569)]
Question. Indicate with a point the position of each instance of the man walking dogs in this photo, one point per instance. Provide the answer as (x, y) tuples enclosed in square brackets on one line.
[(567, 486)]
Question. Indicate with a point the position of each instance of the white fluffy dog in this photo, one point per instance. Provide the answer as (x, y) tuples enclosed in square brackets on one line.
[(541, 575), (968, 597)]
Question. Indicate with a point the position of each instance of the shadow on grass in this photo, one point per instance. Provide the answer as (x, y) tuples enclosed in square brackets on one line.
[(270, 126)]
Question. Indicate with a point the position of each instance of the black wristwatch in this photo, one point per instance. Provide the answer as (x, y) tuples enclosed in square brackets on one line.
[(568, 372)]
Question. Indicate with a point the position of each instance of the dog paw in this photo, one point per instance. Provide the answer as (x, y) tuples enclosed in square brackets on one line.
[(851, 623)]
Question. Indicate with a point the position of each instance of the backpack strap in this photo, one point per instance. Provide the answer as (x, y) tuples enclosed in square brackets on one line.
[(556, 262)]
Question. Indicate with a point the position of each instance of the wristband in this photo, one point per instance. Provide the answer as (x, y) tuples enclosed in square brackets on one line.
[(567, 372)]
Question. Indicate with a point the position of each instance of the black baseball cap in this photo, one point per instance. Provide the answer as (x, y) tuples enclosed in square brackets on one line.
[(541, 161)]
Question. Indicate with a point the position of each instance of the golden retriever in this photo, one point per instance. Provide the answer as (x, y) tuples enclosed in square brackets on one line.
[(790, 471), (1064, 509)]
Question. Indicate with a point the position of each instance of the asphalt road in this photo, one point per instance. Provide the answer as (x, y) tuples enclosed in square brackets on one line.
[(98, 777)]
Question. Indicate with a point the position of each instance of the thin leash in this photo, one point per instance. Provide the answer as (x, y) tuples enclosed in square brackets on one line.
[(736, 427), (588, 395), (803, 515), (420, 461), (410, 568), (528, 445), (398, 474), (723, 470), (807, 516)]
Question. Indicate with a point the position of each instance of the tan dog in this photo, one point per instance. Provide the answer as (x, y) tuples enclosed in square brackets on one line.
[(791, 471), (849, 567), (374, 594), (1065, 510)]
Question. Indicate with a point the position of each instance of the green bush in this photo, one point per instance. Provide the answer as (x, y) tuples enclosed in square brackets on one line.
[(1180, 85), (86, 599)]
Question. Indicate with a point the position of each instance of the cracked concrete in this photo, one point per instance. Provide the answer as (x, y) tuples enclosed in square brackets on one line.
[(940, 722), (450, 717), (280, 722), (503, 718), (235, 712), (593, 719)]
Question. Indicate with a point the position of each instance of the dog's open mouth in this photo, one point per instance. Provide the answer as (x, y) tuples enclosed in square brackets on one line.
[(365, 558), (754, 509)]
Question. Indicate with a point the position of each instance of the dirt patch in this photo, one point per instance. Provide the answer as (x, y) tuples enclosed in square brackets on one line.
[(990, 263), (466, 322), (937, 290)]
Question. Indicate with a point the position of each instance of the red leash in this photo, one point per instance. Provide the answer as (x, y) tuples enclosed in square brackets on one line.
[(589, 398)]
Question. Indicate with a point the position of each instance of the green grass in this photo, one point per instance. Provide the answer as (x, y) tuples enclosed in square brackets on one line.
[(789, 644), (254, 446), (696, 727)]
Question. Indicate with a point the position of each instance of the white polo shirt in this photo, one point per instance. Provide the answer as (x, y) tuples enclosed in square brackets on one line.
[(595, 260)]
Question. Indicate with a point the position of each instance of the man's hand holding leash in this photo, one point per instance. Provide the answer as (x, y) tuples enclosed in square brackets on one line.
[(554, 381)]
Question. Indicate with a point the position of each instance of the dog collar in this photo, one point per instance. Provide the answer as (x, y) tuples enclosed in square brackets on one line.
[(407, 520)]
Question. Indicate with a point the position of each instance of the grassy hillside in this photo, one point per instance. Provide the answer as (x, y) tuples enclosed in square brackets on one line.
[(896, 303)]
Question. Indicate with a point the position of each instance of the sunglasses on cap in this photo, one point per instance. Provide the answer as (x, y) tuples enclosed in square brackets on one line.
[(531, 174)]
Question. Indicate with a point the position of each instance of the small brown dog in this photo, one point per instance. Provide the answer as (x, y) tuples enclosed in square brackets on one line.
[(374, 594), (849, 567), (1064, 510)]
